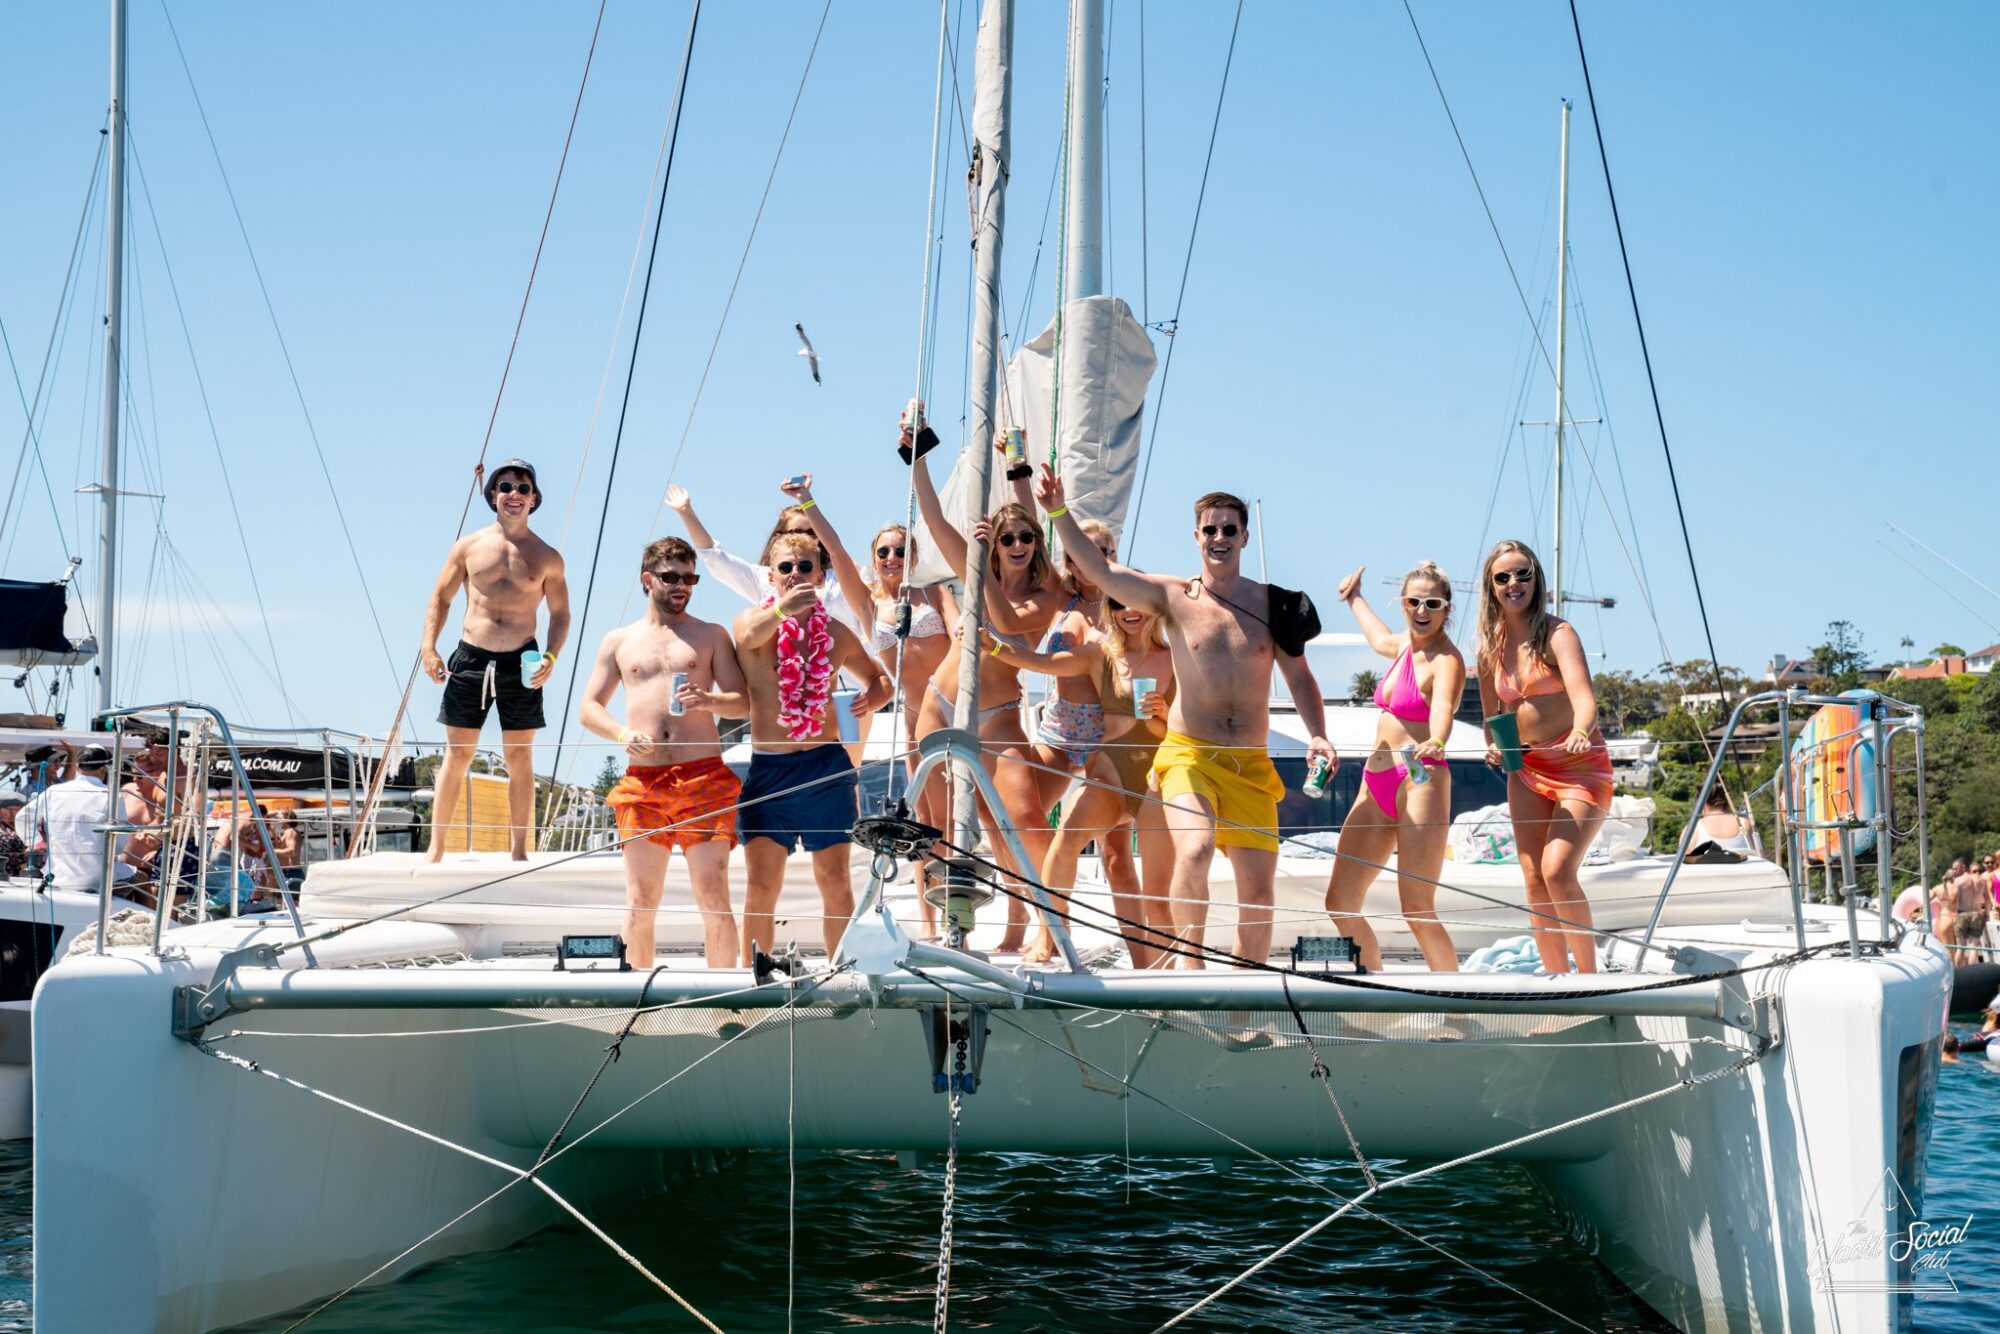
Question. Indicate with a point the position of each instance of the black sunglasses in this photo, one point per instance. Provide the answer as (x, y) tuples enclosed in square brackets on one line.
[(676, 577), (509, 488), (787, 566), (1227, 530), (1502, 578), (1012, 539), (883, 553), (1113, 603), (1428, 604)]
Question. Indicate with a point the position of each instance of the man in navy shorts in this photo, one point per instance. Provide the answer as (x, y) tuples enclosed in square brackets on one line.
[(507, 573), (802, 790)]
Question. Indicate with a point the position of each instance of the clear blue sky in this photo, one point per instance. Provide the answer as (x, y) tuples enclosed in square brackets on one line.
[(1808, 190)]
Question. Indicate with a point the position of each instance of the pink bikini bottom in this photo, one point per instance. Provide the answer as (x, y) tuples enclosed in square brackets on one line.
[(1383, 783)]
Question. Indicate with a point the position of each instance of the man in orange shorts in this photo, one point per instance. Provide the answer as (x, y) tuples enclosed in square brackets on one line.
[(676, 792)]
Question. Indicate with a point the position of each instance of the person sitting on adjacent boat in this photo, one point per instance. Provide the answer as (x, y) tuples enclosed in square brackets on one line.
[(1126, 650), (678, 673), (13, 851), (239, 868), (1531, 665), (752, 580), (1225, 633), (1390, 813), (1024, 594), (802, 790), (69, 815), (507, 573), (1719, 828)]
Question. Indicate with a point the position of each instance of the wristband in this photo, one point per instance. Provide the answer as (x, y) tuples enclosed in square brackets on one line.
[(1578, 731), (777, 613), (805, 505), (994, 652), (624, 735), (1058, 513), (1020, 472), (550, 656)]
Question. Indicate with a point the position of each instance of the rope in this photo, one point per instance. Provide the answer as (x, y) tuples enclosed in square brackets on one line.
[(631, 369), (611, 1054), (1733, 1068), (1187, 265), (1320, 1072)]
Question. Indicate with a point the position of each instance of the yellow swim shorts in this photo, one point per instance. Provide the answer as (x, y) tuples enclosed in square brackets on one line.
[(1238, 782)]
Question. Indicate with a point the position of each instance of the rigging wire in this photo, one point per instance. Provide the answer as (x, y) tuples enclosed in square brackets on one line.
[(30, 438), (1172, 327), (1645, 352), (632, 364), (208, 413), (271, 310)]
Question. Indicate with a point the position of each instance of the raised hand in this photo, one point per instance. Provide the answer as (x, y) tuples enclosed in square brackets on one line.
[(982, 530), (1351, 585), (678, 500), (799, 490), (1049, 490)]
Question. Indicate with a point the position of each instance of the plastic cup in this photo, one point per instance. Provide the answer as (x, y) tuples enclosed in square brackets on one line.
[(1142, 686), (1506, 730), (842, 704), (531, 662)]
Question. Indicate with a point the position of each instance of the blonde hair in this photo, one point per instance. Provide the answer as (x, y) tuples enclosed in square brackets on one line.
[(1492, 624), (909, 553), (785, 516), (1115, 647), (1428, 571), (804, 543)]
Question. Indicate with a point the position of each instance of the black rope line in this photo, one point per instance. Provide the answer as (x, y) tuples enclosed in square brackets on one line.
[(631, 370), (611, 1054)]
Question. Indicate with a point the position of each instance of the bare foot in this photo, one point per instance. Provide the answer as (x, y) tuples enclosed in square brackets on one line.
[(435, 855), (1041, 949), (1012, 940), (521, 856)]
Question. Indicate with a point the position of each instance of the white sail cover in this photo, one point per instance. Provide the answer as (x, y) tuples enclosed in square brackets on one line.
[(1107, 363)]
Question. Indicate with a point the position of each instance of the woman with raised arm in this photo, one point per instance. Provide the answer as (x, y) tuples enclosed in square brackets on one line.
[(1531, 665), (1126, 649), (1392, 813), (1024, 595)]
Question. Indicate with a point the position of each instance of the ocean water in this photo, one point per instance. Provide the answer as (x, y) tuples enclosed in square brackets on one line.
[(1080, 1244)]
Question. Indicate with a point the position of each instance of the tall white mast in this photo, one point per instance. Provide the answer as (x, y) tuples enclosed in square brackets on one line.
[(1562, 314), (991, 117), (114, 331), (1083, 223)]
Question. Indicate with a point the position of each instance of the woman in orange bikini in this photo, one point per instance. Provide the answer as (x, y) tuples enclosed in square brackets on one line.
[(1531, 665), (1391, 814)]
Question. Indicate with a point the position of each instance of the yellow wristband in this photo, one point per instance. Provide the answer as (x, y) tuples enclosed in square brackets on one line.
[(994, 652), (550, 656), (624, 735), (776, 612), (805, 505), (1058, 513)]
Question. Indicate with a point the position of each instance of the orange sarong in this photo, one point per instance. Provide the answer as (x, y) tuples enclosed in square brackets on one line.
[(1554, 773), (677, 805)]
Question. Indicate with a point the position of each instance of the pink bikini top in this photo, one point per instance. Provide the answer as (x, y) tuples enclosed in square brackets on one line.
[(1397, 693)]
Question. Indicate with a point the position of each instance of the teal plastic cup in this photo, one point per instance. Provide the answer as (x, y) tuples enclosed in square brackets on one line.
[(1505, 729)]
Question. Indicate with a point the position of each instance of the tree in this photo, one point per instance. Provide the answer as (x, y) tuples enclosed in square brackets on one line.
[(1363, 685), (1945, 651), (1842, 656), (608, 775), (1625, 701)]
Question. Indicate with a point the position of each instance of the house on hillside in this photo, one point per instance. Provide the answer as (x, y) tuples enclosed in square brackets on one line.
[(1784, 671), (1983, 661), (1934, 670)]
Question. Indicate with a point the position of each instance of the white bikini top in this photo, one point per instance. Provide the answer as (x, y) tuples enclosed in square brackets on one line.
[(924, 623)]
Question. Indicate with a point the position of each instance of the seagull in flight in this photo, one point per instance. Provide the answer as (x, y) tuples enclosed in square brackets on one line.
[(806, 351)]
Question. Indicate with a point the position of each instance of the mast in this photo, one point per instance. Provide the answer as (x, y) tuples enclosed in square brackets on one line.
[(114, 330), (1083, 221), (1562, 313), (991, 114)]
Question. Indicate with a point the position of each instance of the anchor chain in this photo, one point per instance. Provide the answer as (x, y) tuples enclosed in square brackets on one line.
[(942, 1309)]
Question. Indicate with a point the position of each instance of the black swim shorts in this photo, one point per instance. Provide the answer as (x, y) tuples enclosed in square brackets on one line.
[(480, 678)]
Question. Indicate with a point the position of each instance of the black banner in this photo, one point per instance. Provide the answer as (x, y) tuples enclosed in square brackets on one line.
[(297, 768)]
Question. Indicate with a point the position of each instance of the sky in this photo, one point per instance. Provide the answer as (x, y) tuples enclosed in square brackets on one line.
[(1807, 191)]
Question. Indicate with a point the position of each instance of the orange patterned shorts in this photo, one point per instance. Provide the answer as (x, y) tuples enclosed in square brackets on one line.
[(677, 805)]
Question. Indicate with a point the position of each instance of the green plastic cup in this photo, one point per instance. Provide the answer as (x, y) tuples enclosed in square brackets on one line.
[(1506, 731)]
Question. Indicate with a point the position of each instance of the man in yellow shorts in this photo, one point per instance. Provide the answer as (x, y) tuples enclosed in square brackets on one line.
[(1226, 633)]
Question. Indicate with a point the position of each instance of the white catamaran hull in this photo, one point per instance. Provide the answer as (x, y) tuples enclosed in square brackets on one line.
[(228, 1193)]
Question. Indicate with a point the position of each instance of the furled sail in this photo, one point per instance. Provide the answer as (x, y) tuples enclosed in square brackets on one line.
[(1106, 365)]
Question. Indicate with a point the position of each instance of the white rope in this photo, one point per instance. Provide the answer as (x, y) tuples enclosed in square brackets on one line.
[(1735, 1067)]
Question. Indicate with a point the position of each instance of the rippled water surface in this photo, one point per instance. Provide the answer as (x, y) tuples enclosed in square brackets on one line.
[(1082, 1244)]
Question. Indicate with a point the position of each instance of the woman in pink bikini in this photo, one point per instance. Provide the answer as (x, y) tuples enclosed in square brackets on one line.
[(1390, 813), (1531, 665)]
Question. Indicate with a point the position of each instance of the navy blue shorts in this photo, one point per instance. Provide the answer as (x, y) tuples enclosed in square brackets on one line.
[(817, 816)]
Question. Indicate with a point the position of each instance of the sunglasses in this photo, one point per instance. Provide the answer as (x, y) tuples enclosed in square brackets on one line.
[(1502, 578), (1226, 530), (802, 566), (1428, 604), (671, 577), (1113, 603), (509, 488), (1017, 539), (883, 553)]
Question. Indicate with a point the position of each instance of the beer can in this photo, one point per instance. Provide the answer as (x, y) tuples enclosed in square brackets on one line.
[(1017, 445), (675, 708), (1419, 775), (913, 416), (1317, 773)]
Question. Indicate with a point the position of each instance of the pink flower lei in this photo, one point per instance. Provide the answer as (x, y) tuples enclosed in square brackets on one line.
[(805, 672)]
